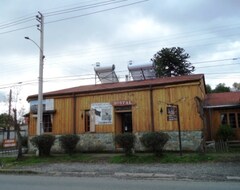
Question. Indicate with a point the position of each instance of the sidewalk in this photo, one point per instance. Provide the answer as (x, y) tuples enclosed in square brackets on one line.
[(227, 171)]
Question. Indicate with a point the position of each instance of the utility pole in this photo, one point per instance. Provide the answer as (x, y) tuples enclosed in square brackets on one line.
[(40, 26), (9, 113)]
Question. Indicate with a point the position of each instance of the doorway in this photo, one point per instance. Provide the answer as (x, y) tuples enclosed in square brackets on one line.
[(126, 118)]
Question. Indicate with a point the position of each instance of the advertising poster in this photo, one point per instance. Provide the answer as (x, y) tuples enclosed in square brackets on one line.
[(172, 113), (103, 113)]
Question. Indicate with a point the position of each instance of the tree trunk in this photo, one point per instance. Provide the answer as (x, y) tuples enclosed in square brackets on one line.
[(19, 136)]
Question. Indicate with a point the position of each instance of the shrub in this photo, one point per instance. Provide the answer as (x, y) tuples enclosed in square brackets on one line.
[(25, 141), (126, 141), (225, 132), (43, 143), (155, 141), (68, 143)]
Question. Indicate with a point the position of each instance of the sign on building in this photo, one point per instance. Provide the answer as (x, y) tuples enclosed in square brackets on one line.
[(9, 143), (172, 113), (103, 113), (48, 105)]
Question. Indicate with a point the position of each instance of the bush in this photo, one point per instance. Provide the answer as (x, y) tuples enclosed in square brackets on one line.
[(25, 141), (155, 141), (68, 143), (126, 141), (43, 143), (225, 132)]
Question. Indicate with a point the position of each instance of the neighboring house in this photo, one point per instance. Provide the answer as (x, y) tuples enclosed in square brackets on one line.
[(98, 112), (222, 109)]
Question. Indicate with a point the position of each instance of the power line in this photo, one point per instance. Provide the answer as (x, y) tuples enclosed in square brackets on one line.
[(95, 12), (14, 30), (217, 60), (14, 23), (137, 43), (222, 65), (84, 7), (11, 24), (23, 19), (85, 77)]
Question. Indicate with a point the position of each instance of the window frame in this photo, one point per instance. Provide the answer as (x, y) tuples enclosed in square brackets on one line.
[(228, 119), (47, 123), (86, 121)]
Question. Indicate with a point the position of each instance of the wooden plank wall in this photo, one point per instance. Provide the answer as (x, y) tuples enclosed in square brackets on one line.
[(32, 125), (63, 122), (63, 118), (140, 108), (184, 97)]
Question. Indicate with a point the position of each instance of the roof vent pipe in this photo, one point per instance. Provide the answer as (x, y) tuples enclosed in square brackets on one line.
[(97, 64), (126, 78)]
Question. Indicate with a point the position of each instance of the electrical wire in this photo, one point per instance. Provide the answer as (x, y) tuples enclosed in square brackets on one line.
[(236, 27), (96, 12), (11, 24), (85, 7)]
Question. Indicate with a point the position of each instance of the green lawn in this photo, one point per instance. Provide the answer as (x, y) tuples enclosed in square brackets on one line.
[(138, 158)]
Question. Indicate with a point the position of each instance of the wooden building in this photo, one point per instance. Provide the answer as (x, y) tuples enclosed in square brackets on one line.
[(97, 112), (222, 109)]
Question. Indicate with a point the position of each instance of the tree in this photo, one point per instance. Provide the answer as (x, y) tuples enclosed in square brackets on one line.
[(172, 62), (208, 88), (221, 88), (236, 86), (5, 120), (19, 136)]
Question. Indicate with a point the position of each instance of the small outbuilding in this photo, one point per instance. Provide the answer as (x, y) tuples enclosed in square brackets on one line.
[(222, 109)]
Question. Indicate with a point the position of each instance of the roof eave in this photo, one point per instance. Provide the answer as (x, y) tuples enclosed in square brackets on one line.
[(117, 89), (223, 106)]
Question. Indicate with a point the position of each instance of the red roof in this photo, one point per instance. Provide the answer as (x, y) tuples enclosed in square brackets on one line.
[(123, 85), (224, 99)]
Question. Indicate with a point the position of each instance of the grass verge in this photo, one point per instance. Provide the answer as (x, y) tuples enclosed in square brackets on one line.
[(32, 160), (166, 158), (139, 158)]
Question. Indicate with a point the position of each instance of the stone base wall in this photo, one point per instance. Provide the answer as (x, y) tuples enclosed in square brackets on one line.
[(96, 142), (89, 142), (190, 141), (104, 142)]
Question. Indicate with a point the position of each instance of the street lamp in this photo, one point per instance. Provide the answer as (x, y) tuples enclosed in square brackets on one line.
[(40, 89), (27, 38)]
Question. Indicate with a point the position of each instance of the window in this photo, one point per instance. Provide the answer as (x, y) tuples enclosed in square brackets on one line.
[(238, 116), (87, 120), (47, 123), (224, 119), (232, 119)]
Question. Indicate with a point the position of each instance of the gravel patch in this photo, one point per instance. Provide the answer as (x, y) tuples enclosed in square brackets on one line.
[(220, 171)]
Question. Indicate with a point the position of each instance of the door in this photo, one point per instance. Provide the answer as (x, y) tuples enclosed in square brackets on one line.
[(126, 122)]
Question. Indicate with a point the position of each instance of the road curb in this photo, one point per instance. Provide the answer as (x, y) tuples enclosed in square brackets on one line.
[(11, 171), (144, 175), (235, 178)]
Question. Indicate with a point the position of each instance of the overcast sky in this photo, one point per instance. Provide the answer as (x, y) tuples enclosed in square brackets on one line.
[(113, 32)]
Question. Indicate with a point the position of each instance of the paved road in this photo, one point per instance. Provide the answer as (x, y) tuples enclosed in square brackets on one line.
[(8, 182), (229, 171)]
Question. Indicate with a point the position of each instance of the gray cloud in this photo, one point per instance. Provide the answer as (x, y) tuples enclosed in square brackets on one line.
[(2, 97), (73, 46)]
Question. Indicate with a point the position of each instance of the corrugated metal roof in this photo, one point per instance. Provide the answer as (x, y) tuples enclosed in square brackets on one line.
[(123, 85), (224, 99)]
